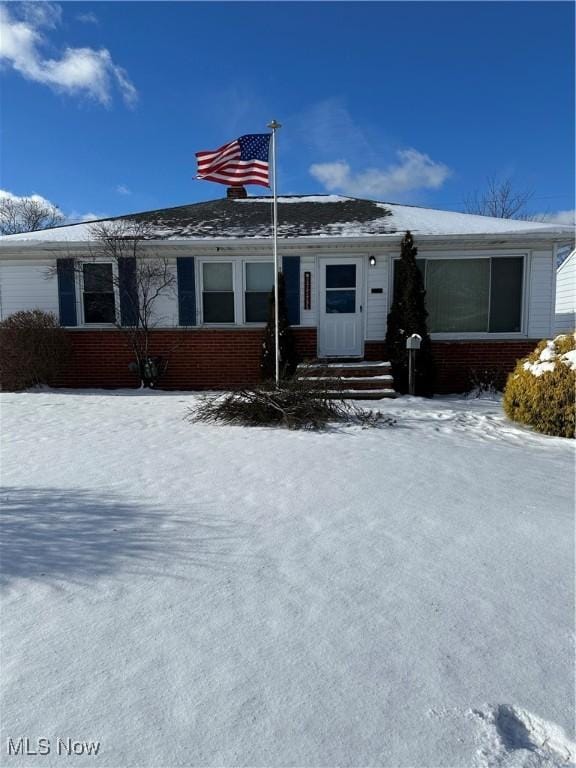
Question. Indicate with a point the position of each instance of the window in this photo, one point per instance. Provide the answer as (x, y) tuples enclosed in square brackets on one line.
[(217, 292), (98, 293), (457, 294), (506, 294), (259, 283), (340, 289), (477, 295)]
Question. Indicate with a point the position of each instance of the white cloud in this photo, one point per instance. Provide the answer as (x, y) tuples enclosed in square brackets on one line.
[(327, 126), (71, 218), (42, 14), (559, 217), (122, 189), (415, 170), (88, 18), (74, 217), (77, 70), (4, 193)]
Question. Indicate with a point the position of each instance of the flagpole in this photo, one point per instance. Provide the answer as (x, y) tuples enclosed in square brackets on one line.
[(274, 125)]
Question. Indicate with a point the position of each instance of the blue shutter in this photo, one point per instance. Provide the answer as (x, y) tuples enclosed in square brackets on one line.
[(186, 290), (128, 290), (291, 270), (66, 291)]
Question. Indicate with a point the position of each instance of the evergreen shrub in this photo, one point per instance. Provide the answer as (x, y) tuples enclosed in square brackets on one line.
[(541, 391)]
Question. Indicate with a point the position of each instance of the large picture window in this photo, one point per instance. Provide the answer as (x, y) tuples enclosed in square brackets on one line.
[(259, 283), (217, 292), (98, 293), (457, 294), (476, 295)]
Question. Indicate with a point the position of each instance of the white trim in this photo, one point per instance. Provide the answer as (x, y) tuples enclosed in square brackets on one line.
[(568, 258), (378, 243)]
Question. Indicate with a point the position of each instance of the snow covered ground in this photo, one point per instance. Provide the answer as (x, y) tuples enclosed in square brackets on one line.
[(196, 595)]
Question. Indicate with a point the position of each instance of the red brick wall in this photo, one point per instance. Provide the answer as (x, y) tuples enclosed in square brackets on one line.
[(200, 359), (374, 350), (455, 360), (217, 359)]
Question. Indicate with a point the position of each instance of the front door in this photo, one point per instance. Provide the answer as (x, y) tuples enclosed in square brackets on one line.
[(341, 321)]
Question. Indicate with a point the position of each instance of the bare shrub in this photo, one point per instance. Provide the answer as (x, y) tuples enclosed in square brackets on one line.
[(33, 349), (295, 405), (485, 381)]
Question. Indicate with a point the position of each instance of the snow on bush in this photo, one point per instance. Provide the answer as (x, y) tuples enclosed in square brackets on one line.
[(541, 390), (33, 349)]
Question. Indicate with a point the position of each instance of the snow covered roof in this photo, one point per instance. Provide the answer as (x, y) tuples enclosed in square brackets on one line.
[(298, 216), (563, 253)]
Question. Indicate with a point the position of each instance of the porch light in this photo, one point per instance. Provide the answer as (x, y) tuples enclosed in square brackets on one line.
[(372, 261)]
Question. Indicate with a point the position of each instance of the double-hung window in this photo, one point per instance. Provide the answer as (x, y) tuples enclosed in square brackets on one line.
[(259, 281), (473, 295), (98, 293), (218, 292)]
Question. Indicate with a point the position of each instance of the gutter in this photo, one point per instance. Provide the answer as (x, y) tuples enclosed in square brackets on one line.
[(35, 248)]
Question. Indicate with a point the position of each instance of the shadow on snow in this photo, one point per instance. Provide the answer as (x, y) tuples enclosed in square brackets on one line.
[(50, 534)]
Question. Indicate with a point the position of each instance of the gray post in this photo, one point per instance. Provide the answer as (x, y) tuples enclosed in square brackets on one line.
[(412, 345), (411, 371)]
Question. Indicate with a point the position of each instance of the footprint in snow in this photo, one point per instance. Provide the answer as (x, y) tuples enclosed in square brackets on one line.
[(512, 737)]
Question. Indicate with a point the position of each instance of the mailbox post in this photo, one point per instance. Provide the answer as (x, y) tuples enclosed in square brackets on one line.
[(412, 345)]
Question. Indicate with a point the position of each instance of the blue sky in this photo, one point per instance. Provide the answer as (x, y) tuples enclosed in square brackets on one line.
[(104, 104)]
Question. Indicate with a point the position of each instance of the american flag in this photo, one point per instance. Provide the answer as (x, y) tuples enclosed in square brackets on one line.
[(242, 161)]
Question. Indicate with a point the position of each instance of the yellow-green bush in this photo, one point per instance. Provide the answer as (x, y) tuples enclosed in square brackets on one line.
[(541, 391)]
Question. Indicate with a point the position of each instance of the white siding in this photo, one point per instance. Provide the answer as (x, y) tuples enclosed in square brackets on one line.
[(541, 295), (308, 316), (377, 302), (566, 296), (24, 285), (165, 307)]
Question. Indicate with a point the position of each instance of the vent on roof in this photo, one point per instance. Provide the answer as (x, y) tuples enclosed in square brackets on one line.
[(234, 193)]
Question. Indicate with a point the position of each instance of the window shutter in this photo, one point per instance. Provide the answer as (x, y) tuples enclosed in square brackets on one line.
[(186, 290), (66, 291), (128, 290), (291, 270)]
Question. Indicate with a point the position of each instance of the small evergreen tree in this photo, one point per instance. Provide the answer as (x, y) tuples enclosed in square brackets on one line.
[(407, 316), (286, 339)]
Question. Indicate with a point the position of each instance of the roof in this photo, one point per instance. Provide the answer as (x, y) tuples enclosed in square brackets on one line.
[(564, 253), (565, 256), (298, 216)]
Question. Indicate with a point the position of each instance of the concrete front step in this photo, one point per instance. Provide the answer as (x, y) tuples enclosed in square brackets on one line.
[(362, 379), (344, 370), (362, 394), (352, 382)]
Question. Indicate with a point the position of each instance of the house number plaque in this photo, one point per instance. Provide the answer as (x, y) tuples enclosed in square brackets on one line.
[(307, 290)]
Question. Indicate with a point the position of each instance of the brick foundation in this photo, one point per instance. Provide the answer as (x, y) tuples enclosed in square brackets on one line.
[(456, 360), (218, 358), (200, 359)]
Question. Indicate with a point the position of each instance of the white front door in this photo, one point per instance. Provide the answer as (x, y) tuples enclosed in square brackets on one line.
[(341, 299)]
